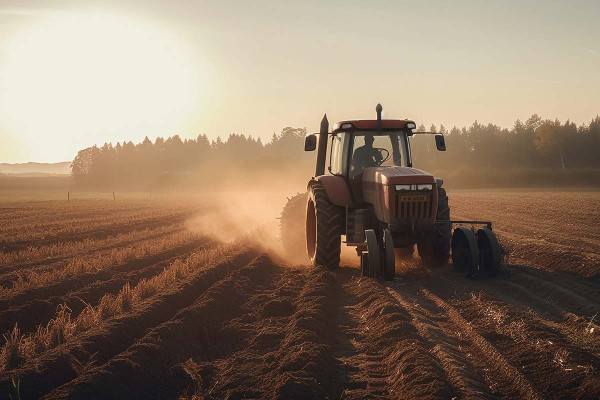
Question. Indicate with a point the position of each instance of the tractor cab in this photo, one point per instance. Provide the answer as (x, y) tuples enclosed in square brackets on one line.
[(358, 145)]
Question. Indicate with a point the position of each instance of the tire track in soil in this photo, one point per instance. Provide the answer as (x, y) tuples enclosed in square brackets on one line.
[(54, 367), (39, 311), (291, 344), (12, 272), (524, 337), (334, 336), (389, 358), (552, 362), (557, 355), (568, 293), (453, 352), (549, 294), (495, 359), (79, 281), (200, 331)]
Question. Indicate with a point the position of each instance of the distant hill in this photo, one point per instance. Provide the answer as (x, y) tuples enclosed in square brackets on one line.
[(36, 169)]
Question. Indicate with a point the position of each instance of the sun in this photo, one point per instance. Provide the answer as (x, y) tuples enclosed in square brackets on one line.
[(85, 79)]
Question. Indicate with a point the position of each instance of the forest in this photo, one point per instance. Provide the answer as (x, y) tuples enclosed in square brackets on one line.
[(537, 152)]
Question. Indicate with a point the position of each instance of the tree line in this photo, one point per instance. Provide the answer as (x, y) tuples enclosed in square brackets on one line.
[(474, 153), (145, 164), (540, 152)]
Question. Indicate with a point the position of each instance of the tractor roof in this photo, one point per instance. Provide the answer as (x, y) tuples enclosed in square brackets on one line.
[(371, 124)]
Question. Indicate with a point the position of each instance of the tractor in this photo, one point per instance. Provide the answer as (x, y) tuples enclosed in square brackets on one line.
[(374, 198)]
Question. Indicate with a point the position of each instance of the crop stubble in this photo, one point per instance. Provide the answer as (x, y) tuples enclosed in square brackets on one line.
[(215, 320)]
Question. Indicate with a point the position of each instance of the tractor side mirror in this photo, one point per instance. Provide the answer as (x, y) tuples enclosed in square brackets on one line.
[(440, 142), (310, 143)]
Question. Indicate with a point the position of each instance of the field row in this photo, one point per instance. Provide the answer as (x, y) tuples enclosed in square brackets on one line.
[(54, 224), (232, 323)]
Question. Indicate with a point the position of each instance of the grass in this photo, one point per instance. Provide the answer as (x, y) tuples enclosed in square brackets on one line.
[(11, 354)]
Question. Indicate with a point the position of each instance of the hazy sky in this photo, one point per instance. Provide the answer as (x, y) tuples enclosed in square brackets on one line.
[(72, 76)]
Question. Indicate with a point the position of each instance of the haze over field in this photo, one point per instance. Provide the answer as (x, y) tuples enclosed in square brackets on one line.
[(76, 74), (164, 235)]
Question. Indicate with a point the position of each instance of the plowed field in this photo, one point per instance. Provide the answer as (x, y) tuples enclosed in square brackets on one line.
[(132, 299)]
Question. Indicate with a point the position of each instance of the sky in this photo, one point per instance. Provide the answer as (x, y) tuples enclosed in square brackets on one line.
[(74, 74)]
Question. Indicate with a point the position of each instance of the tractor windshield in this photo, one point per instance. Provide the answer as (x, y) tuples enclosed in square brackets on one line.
[(372, 149)]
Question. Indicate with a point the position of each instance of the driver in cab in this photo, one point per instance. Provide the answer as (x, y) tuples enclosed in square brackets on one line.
[(366, 156)]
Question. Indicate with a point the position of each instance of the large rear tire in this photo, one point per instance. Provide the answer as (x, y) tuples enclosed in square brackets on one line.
[(434, 248), (291, 224), (324, 228)]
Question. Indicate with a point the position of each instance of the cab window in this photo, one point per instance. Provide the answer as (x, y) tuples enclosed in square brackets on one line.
[(336, 165), (372, 150)]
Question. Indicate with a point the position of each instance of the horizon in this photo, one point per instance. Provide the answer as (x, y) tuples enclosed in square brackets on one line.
[(225, 137), (74, 75)]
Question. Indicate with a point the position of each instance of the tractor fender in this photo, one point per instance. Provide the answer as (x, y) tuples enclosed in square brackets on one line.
[(336, 189)]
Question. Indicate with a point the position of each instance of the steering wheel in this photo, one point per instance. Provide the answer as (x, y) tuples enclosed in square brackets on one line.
[(384, 157)]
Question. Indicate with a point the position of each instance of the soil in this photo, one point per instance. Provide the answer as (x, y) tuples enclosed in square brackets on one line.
[(246, 323)]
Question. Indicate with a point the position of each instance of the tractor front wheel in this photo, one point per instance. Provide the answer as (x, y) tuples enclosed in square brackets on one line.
[(324, 228)]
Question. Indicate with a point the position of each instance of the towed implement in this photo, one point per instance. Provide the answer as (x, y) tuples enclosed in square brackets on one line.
[(373, 197)]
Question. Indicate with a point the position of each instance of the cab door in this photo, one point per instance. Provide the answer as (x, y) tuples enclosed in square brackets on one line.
[(338, 158)]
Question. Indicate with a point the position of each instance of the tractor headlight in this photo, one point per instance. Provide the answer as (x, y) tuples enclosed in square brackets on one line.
[(428, 186), (403, 188)]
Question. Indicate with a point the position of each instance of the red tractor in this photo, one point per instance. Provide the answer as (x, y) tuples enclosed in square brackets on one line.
[(374, 197)]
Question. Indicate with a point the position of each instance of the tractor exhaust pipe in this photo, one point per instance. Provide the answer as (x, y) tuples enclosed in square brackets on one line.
[(379, 108), (322, 149)]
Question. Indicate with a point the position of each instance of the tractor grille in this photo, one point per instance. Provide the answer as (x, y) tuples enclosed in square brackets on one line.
[(414, 205)]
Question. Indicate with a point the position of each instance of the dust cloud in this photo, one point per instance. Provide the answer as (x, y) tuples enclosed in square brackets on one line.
[(231, 214), (250, 213)]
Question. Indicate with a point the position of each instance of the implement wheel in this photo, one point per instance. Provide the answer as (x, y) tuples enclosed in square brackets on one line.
[(390, 259), (465, 253), (324, 228), (490, 253), (373, 253)]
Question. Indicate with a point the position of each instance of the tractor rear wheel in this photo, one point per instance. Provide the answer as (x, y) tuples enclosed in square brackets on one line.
[(324, 228), (434, 247)]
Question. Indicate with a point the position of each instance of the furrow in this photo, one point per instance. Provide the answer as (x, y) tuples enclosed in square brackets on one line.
[(10, 273), (114, 335), (38, 311), (501, 365), (560, 295), (452, 352), (194, 331)]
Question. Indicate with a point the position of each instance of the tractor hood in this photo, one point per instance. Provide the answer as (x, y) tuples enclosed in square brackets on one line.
[(392, 207), (396, 175)]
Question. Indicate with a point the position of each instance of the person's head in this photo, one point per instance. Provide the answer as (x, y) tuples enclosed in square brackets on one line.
[(369, 139)]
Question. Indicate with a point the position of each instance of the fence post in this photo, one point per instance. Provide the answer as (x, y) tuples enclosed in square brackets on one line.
[(68, 196), (114, 198)]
